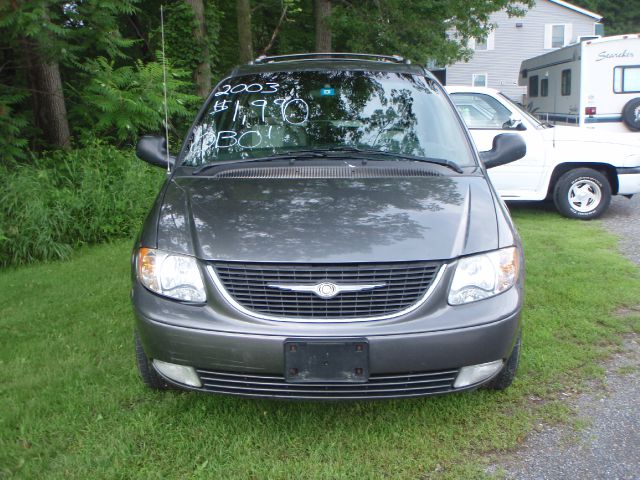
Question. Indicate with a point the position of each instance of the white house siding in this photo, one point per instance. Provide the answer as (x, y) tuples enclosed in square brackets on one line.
[(513, 45)]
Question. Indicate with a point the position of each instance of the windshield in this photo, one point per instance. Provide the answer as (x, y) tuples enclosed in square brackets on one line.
[(277, 112)]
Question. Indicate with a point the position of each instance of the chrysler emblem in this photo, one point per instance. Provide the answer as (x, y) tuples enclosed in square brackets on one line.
[(327, 290)]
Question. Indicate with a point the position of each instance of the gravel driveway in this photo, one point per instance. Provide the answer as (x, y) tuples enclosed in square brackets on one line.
[(623, 219), (609, 446)]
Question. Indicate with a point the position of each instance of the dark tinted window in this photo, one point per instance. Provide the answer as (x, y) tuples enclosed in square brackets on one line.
[(565, 87), (533, 86), (269, 113), (544, 87)]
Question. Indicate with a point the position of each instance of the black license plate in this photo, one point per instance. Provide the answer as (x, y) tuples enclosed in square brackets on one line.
[(326, 361)]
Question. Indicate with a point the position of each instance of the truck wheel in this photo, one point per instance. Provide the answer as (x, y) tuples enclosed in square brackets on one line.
[(582, 193), (508, 372), (147, 373), (631, 114)]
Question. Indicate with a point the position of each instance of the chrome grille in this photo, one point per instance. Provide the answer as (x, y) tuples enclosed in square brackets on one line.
[(405, 284), (415, 384)]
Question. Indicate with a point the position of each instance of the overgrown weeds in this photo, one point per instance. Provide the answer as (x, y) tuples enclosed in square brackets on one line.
[(64, 200)]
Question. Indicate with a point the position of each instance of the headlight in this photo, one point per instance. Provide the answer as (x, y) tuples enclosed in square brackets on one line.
[(171, 275), (485, 275)]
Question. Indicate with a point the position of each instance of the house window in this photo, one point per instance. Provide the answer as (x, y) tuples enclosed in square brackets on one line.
[(544, 87), (479, 79), (565, 83), (485, 43), (557, 36), (626, 79), (533, 86)]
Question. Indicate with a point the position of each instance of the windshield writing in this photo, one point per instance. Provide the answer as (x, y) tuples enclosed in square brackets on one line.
[(271, 113)]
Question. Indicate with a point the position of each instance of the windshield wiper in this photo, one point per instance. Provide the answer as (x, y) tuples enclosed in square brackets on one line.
[(277, 156), (404, 156)]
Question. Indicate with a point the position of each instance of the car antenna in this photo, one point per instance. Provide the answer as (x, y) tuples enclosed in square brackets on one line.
[(164, 88)]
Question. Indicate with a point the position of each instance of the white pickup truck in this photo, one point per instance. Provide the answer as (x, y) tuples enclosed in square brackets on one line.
[(579, 168)]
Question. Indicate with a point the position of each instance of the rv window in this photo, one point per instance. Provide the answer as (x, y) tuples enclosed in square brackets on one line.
[(544, 87), (626, 79), (565, 87), (533, 86)]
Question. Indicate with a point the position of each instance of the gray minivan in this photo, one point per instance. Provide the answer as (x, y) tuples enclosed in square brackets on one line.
[(328, 231)]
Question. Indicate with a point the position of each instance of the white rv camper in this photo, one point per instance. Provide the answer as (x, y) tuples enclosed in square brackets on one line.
[(594, 83)]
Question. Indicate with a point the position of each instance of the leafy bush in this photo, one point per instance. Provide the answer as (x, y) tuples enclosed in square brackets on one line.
[(13, 142), (63, 200), (121, 103)]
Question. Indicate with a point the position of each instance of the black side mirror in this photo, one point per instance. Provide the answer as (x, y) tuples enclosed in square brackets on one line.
[(153, 149), (507, 148)]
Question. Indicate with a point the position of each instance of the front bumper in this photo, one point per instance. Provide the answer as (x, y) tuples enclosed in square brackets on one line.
[(416, 354), (628, 180), (403, 365)]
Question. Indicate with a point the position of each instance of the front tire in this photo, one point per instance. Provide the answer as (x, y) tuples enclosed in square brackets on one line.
[(148, 374), (582, 193)]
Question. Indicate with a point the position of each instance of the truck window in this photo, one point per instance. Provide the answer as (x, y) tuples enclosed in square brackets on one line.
[(565, 87), (626, 79), (533, 86), (481, 111)]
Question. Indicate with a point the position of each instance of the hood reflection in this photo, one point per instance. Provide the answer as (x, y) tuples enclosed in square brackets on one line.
[(317, 220)]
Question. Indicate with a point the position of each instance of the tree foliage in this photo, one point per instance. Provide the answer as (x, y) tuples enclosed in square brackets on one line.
[(618, 17), (420, 30), (120, 103), (13, 138)]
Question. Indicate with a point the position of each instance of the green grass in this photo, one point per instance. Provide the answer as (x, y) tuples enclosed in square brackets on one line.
[(71, 405)]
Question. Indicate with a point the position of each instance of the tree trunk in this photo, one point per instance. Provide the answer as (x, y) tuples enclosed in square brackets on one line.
[(323, 29), (45, 84), (245, 41), (202, 74)]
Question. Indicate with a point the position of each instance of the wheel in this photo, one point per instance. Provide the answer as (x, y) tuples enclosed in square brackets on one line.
[(631, 114), (147, 373), (508, 372), (582, 193)]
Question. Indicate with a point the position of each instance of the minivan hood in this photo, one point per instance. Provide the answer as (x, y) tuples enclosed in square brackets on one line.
[(328, 220)]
